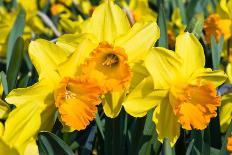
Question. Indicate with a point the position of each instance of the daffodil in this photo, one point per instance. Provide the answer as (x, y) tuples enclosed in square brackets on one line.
[(75, 96), (117, 48), (219, 23), (185, 91)]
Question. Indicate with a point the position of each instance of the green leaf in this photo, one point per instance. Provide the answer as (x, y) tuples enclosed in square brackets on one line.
[(16, 31), (195, 26), (50, 144), (190, 147), (114, 135), (166, 149), (181, 6), (216, 51), (15, 63), (137, 135), (163, 40), (99, 125), (149, 141), (191, 9), (4, 83)]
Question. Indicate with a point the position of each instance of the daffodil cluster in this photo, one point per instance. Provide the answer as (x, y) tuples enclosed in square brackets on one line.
[(110, 60)]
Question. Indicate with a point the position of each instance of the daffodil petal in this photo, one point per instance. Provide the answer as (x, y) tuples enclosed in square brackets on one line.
[(143, 98), (218, 77), (167, 125), (36, 93), (139, 40), (72, 67), (46, 56), (31, 148), (229, 72), (139, 72), (112, 103), (23, 123), (191, 52), (226, 112), (6, 149), (70, 42), (107, 22), (163, 65)]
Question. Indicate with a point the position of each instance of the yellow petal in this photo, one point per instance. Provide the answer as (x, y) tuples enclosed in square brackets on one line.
[(191, 52), (112, 103), (218, 77), (46, 56), (163, 65), (107, 22), (36, 93), (23, 123), (143, 98), (229, 72), (139, 73), (139, 40), (30, 148), (6, 149), (72, 67), (166, 122), (70, 42), (226, 112)]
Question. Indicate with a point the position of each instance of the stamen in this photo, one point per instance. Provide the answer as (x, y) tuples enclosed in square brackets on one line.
[(111, 59), (70, 95)]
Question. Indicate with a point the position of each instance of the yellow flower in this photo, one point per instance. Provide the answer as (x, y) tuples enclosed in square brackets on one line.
[(117, 47), (217, 27), (185, 91), (229, 144), (35, 105)]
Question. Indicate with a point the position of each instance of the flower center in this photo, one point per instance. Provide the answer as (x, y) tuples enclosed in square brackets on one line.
[(111, 59), (194, 104), (108, 65)]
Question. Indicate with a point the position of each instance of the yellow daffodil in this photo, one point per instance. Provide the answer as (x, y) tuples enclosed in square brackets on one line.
[(219, 23), (138, 11), (115, 52), (185, 91), (75, 96)]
